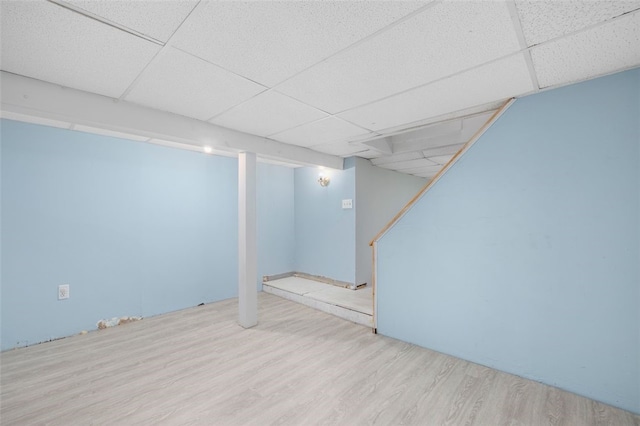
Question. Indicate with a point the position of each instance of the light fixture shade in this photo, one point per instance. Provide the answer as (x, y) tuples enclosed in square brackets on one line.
[(324, 180)]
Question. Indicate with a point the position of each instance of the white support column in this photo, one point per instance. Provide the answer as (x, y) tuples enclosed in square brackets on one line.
[(247, 246)]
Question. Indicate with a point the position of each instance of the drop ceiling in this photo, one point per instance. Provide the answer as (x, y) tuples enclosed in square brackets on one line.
[(403, 83)]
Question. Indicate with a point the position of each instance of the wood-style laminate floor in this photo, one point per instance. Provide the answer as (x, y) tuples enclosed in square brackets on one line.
[(299, 366)]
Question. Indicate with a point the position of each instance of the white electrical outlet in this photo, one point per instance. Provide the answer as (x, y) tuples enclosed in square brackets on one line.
[(63, 291), (347, 204)]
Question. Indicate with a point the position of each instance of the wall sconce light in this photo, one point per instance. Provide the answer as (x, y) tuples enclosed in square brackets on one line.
[(324, 180)]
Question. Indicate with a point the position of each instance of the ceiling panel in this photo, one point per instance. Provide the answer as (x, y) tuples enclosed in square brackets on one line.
[(410, 164), (441, 159), (271, 41), (186, 85), (442, 150), (604, 49), (370, 154), (546, 20), (441, 40), (268, 113), (423, 171), (342, 149), (492, 106), (327, 130), (496, 81), (47, 42), (427, 174), (442, 128), (156, 19), (395, 158)]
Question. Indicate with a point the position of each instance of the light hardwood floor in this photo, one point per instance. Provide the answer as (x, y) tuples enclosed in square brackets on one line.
[(299, 366)]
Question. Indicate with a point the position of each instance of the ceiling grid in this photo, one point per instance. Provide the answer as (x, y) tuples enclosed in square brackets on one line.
[(404, 84)]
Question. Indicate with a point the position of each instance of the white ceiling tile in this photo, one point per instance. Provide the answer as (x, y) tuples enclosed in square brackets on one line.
[(271, 41), (441, 159), (588, 54), (426, 174), (156, 19), (268, 113), (437, 42), (492, 106), (327, 130), (370, 154), (545, 20), (183, 84), (48, 42), (427, 143), (397, 158), (443, 128), (343, 149), (443, 150), (111, 133), (498, 80), (423, 171), (410, 164)]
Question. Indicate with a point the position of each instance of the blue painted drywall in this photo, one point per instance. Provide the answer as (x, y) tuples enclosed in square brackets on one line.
[(525, 255), (275, 221), (324, 232), (380, 195), (134, 228)]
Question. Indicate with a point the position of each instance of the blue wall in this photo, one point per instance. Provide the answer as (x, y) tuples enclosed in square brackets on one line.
[(525, 255), (324, 232), (134, 228), (275, 222)]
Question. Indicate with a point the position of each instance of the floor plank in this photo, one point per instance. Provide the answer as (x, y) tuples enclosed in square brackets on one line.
[(299, 366)]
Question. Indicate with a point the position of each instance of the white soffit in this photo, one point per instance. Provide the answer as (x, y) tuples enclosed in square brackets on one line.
[(604, 49), (44, 41), (278, 162), (23, 95), (166, 83), (271, 41), (111, 133), (9, 115), (437, 42), (492, 82), (156, 19), (545, 20), (268, 113), (191, 147), (327, 130)]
